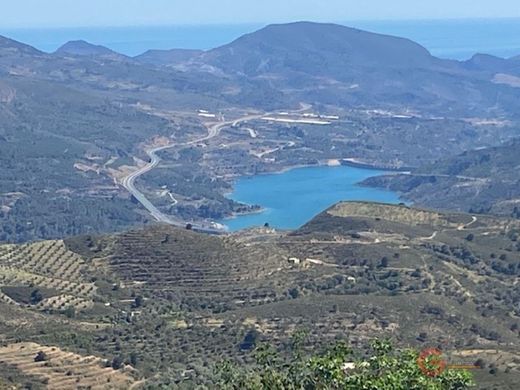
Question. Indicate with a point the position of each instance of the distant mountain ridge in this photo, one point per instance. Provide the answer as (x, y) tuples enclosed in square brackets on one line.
[(167, 57), (316, 48), (84, 48), (284, 64), (7, 44), (486, 62), (335, 64)]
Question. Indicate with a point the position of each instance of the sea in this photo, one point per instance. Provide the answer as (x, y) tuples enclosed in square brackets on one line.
[(456, 39)]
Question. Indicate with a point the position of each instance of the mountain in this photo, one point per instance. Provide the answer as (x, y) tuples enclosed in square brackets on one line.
[(165, 305), (317, 49), (486, 62), (484, 181), (83, 48), (167, 57), (337, 64), (12, 47)]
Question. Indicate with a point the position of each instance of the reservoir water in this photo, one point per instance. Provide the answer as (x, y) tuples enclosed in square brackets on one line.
[(292, 198)]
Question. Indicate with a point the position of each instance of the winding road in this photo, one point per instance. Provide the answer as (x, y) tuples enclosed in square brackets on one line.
[(129, 181)]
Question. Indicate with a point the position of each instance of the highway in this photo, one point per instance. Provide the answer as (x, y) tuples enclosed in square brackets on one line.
[(129, 181)]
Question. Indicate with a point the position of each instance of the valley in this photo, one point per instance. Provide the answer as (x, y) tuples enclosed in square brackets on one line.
[(86, 128), (114, 169)]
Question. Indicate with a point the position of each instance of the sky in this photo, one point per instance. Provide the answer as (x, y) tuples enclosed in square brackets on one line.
[(90, 13)]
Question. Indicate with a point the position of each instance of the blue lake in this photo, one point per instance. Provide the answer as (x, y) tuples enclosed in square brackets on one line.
[(292, 198)]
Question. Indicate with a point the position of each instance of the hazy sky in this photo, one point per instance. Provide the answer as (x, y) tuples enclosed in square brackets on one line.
[(78, 13)]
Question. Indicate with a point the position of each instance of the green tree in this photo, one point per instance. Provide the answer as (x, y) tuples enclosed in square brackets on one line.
[(117, 362), (338, 369), (36, 297), (138, 301), (70, 312)]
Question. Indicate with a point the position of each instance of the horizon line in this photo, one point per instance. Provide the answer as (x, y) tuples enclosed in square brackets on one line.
[(253, 23)]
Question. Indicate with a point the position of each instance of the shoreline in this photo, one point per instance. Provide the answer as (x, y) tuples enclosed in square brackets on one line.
[(320, 164), (245, 213)]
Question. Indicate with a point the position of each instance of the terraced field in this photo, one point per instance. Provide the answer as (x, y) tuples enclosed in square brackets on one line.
[(171, 303), (49, 265), (64, 370), (47, 258), (211, 270), (391, 213)]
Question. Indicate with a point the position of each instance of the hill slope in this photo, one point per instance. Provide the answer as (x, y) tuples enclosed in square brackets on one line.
[(171, 303), (10, 47), (167, 57), (486, 62), (317, 49), (484, 180), (347, 66)]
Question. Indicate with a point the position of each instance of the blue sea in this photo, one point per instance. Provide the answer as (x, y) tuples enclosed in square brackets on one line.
[(454, 39), (292, 198)]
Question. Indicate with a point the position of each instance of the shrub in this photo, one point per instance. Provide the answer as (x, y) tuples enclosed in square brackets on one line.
[(385, 368), (41, 357), (117, 362), (70, 312), (36, 297)]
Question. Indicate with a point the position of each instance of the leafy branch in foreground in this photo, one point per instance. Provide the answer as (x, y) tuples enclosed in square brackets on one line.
[(385, 368)]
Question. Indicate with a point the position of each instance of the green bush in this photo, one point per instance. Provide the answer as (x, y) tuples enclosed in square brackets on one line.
[(384, 368)]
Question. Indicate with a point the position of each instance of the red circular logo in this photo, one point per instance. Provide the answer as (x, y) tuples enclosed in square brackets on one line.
[(431, 363)]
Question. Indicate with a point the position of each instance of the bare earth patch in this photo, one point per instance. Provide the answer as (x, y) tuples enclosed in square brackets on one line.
[(507, 79)]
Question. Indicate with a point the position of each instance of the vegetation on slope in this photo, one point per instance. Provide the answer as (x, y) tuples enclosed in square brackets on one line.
[(168, 304), (478, 181), (337, 368)]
